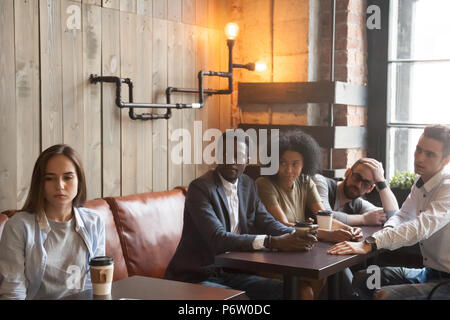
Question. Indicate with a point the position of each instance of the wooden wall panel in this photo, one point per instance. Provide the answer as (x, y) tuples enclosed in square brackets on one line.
[(188, 11), (213, 107), (128, 5), (201, 13), (143, 93), (26, 17), (93, 2), (128, 57), (174, 8), (73, 78), (112, 4), (111, 114), (213, 14), (8, 132), (189, 81), (175, 33), (51, 79), (160, 9), (225, 100), (213, 54), (92, 64), (145, 8), (202, 114), (50, 48), (160, 152)]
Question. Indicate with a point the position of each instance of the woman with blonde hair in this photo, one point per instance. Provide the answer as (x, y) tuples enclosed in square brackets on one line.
[(45, 248)]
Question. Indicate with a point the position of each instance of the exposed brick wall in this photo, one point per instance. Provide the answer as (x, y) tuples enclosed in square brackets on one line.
[(350, 64), (283, 46), (345, 158), (290, 59), (350, 41)]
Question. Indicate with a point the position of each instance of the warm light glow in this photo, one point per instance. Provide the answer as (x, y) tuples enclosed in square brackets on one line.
[(260, 66), (231, 30)]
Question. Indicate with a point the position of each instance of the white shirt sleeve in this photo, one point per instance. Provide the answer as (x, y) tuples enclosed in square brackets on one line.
[(13, 283), (421, 227), (407, 212), (258, 243)]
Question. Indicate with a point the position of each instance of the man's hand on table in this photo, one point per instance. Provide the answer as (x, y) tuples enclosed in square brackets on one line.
[(357, 233), (346, 233), (300, 240), (348, 247)]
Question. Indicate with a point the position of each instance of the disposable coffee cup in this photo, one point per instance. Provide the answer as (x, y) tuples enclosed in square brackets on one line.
[(304, 225), (324, 219), (102, 270)]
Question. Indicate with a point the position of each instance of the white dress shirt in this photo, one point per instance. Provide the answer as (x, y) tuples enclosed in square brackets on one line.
[(233, 205), (423, 218)]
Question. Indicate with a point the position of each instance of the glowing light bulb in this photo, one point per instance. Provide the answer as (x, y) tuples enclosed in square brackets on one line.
[(260, 66), (231, 30)]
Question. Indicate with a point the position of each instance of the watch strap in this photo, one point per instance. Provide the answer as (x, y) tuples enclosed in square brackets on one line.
[(268, 242), (381, 185), (372, 241)]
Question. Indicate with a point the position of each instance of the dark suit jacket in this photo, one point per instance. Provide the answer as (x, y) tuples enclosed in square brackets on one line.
[(206, 226)]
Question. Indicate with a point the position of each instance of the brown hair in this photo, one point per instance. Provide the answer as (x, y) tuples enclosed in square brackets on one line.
[(440, 133), (35, 200), (357, 163)]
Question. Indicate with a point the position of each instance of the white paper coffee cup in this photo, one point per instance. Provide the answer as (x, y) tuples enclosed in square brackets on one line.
[(102, 270), (324, 219)]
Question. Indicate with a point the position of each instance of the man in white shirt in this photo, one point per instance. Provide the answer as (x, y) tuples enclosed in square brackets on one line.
[(424, 218)]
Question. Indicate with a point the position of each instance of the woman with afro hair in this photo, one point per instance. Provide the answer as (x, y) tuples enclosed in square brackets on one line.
[(291, 193)]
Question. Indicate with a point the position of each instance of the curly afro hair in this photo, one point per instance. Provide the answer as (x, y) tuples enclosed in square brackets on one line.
[(298, 141)]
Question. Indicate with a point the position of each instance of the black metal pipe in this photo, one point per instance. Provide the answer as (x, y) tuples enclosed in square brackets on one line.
[(118, 81), (248, 66), (230, 45), (168, 105)]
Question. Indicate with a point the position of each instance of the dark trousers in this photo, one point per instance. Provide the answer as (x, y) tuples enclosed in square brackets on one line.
[(399, 283)]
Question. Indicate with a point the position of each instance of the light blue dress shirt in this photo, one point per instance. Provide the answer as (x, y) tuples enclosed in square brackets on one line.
[(23, 258)]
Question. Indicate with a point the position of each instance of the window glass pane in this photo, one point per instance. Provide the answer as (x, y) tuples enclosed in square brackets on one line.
[(419, 92), (419, 29), (401, 145)]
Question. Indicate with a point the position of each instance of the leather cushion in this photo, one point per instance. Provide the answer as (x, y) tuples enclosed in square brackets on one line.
[(113, 247), (150, 226)]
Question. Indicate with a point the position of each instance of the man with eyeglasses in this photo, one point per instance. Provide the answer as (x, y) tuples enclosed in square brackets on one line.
[(424, 218), (344, 197)]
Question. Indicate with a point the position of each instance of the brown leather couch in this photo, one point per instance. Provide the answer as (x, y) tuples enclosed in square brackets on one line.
[(142, 230)]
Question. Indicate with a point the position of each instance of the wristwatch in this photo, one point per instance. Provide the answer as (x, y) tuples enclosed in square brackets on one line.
[(372, 241), (268, 242), (381, 185)]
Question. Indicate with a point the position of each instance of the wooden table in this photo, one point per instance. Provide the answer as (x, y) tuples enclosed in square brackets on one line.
[(144, 288), (315, 264)]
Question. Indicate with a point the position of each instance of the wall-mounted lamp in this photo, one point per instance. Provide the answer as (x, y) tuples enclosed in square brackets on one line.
[(231, 31), (260, 66)]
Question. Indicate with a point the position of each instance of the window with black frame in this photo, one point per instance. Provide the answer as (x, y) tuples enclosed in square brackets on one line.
[(418, 88)]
